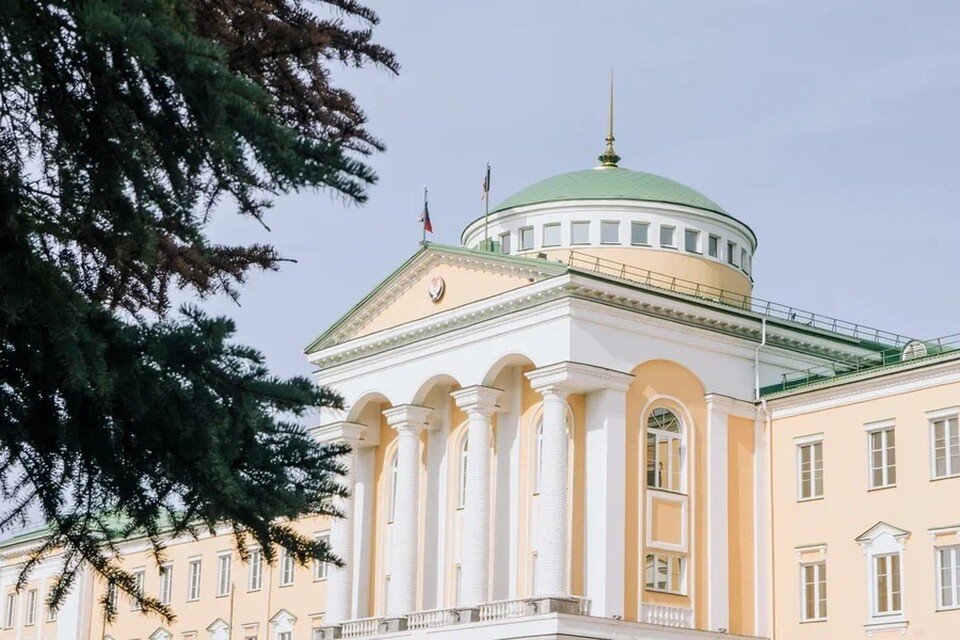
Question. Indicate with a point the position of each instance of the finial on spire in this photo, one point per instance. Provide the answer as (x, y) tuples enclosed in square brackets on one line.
[(609, 157)]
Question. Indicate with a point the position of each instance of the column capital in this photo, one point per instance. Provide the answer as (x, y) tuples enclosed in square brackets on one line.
[(352, 433), (477, 398), (577, 377), (408, 417), (732, 406)]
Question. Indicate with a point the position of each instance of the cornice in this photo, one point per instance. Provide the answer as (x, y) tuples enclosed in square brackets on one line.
[(578, 377), (477, 398), (353, 433), (879, 384), (732, 406)]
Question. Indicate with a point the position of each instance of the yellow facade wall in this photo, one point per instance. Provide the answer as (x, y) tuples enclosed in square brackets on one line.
[(741, 490), (849, 508)]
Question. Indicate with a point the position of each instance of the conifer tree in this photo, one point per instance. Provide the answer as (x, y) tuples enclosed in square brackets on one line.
[(124, 125)]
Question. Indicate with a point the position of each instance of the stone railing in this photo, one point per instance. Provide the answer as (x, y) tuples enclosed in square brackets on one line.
[(666, 616), (503, 609), (360, 628), (433, 619)]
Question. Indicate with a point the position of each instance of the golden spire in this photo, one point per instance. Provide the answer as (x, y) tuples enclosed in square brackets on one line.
[(609, 157)]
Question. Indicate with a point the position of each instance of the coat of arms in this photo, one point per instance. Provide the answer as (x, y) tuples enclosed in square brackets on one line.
[(436, 288)]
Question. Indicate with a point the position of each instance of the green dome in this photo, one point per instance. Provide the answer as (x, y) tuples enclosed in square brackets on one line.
[(611, 183)]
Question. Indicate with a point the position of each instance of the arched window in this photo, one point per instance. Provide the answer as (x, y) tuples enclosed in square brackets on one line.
[(462, 486), (391, 508), (665, 454)]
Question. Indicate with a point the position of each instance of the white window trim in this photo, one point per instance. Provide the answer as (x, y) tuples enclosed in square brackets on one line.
[(533, 237), (543, 235), (639, 244), (191, 563), (932, 417), (505, 247), (939, 576), (250, 569), (607, 242), (880, 540), (719, 246), (803, 590), (573, 224), (285, 558), (168, 597), (800, 442), (321, 569), (871, 428), (698, 249), (674, 236), (229, 557), (657, 555), (139, 579)]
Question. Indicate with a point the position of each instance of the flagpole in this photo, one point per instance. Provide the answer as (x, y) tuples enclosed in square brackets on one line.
[(486, 211), (423, 222)]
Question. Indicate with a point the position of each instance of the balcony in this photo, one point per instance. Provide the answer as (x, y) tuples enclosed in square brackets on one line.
[(523, 618)]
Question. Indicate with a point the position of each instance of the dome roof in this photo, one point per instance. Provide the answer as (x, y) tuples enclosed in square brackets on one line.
[(610, 183)]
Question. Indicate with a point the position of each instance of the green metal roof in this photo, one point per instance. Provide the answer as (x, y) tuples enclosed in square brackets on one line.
[(610, 183)]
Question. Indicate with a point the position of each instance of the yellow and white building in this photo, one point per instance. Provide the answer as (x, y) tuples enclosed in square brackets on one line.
[(581, 424)]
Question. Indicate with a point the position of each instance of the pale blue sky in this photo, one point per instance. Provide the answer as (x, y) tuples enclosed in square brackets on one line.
[(829, 127)]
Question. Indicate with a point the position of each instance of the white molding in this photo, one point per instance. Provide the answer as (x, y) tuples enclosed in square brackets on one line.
[(820, 547), (732, 406), (946, 412), (408, 416), (352, 433), (667, 496), (577, 377), (879, 425), (812, 438)]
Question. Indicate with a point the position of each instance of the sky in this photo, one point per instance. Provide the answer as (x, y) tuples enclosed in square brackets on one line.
[(830, 127)]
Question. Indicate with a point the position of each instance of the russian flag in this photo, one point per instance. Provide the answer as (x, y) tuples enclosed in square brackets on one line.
[(425, 218)]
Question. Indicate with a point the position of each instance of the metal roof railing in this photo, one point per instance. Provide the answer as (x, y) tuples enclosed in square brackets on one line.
[(801, 317), (918, 350)]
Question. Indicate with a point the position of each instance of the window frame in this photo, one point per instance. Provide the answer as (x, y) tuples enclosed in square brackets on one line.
[(166, 583), (815, 442), (944, 416), (505, 243), (884, 429), (255, 570), (552, 226), (669, 437), (732, 254), (697, 242), (521, 234), (288, 569), (9, 610), (321, 569), (953, 550), (673, 236), (139, 582), (224, 581), (875, 562), (30, 615), (605, 225), (820, 604), (712, 239), (194, 578), (657, 556), (579, 224), (646, 233)]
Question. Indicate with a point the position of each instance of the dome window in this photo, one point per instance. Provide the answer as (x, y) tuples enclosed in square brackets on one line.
[(713, 246), (505, 243), (732, 253), (580, 233), (526, 238), (609, 232), (551, 235), (691, 240), (640, 233), (668, 237)]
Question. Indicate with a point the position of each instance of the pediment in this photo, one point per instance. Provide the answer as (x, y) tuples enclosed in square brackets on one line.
[(437, 278), (880, 529)]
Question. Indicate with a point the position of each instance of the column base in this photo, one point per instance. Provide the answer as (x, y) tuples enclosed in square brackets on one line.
[(468, 614), (333, 632), (392, 625), (558, 604)]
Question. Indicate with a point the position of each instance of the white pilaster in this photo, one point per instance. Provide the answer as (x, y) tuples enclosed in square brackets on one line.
[(718, 565), (554, 382), (479, 403), (605, 497), (340, 579), (408, 420)]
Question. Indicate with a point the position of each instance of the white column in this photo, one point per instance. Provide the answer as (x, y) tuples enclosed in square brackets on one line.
[(340, 579), (409, 421), (718, 533), (605, 497), (552, 543), (479, 403)]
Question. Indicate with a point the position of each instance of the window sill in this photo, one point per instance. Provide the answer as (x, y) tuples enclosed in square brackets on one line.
[(323, 579), (666, 246), (221, 595), (813, 621), (285, 586), (189, 600), (639, 244), (886, 625), (951, 476), (679, 594), (955, 607), (610, 244), (254, 590), (882, 487), (580, 244), (811, 499), (672, 492), (549, 246)]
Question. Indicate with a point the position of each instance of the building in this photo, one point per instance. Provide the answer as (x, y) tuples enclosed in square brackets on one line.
[(581, 424)]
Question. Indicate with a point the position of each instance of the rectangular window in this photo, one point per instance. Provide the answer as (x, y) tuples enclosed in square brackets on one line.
[(533, 572), (526, 238), (287, 567), (193, 589), (745, 261), (691, 240), (713, 246), (639, 233), (580, 233), (32, 603), (883, 459), (948, 577), (459, 594), (551, 235), (814, 577), (166, 583), (284, 635), (224, 564), (668, 237), (320, 568), (255, 571), (8, 610), (810, 458), (946, 447), (111, 596), (664, 461), (505, 243), (887, 584), (732, 253), (664, 572), (138, 579), (51, 612), (609, 232)]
